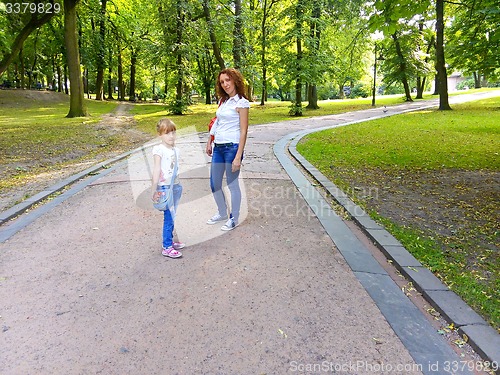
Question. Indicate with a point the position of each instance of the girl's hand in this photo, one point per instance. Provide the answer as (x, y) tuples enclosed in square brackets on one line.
[(156, 196)]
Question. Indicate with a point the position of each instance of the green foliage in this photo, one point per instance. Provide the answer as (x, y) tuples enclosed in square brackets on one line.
[(360, 91), (475, 38), (177, 107), (295, 109)]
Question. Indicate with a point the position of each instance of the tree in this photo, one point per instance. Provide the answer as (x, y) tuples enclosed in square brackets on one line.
[(315, 35), (77, 107), (474, 39), (440, 59), (211, 31), (266, 8), (297, 32), (238, 38), (101, 48), (402, 72), (35, 21)]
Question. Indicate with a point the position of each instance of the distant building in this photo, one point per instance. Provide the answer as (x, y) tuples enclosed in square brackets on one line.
[(453, 80)]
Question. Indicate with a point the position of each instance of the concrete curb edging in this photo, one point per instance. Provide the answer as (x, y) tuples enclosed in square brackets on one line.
[(406, 320), (481, 336)]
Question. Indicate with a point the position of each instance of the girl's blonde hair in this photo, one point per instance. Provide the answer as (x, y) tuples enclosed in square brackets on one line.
[(165, 126)]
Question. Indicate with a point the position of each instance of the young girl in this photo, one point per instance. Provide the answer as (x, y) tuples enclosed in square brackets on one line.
[(230, 135), (165, 157)]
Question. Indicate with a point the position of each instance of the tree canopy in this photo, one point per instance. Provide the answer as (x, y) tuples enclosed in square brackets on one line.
[(296, 50)]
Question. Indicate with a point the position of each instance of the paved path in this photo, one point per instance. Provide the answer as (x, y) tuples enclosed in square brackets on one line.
[(84, 288)]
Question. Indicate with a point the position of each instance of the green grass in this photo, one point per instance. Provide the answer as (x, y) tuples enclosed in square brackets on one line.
[(36, 135), (446, 159), (466, 138), (198, 116)]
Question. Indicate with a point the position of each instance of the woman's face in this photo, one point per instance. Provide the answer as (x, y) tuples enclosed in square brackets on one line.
[(227, 84)]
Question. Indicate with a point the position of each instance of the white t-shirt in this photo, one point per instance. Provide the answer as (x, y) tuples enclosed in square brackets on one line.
[(227, 127), (167, 164)]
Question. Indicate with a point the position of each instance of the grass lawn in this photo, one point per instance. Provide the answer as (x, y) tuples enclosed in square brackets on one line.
[(36, 137), (433, 180), (147, 115)]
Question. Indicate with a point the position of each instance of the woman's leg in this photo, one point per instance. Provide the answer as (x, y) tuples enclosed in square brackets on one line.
[(216, 176), (233, 182)]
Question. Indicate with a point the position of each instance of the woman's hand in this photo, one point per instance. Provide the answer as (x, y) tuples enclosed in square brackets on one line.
[(208, 149), (236, 165)]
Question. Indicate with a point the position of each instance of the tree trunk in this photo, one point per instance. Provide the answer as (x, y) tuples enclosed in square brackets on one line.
[(420, 87), (402, 68), (133, 62), (179, 85), (422, 81), (110, 70), (237, 35), (99, 85), (77, 104), (121, 86), (312, 91), (477, 80), (440, 59), (263, 32), (22, 73), (296, 109), (312, 96), (213, 38), (59, 79)]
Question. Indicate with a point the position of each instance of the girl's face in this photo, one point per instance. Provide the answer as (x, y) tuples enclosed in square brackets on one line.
[(168, 138), (227, 84)]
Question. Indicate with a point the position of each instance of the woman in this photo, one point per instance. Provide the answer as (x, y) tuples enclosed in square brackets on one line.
[(229, 137)]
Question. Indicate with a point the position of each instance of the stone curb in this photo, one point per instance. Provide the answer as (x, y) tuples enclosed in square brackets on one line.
[(481, 336)]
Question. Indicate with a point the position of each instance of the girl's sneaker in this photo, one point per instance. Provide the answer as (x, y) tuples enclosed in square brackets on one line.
[(170, 252), (178, 245)]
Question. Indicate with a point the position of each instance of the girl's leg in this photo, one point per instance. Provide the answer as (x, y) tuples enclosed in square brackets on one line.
[(177, 197), (216, 175), (168, 228)]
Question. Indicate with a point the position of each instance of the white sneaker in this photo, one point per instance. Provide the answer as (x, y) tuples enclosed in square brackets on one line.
[(217, 218), (230, 225)]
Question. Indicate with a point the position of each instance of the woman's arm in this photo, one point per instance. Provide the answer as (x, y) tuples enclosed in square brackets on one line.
[(243, 112), (208, 148), (156, 176)]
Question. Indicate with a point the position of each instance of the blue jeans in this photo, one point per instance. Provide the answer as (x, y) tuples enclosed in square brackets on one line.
[(169, 215), (222, 158)]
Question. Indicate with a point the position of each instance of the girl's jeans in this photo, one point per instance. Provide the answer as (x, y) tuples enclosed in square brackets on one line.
[(169, 215), (222, 158)]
